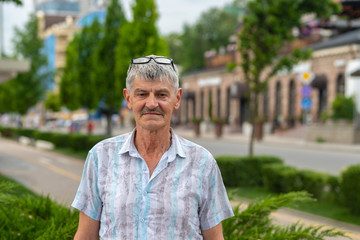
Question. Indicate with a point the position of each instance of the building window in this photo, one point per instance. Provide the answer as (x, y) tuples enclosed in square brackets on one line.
[(322, 101), (292, 97), (266, 103), (219, 103), (278, 100), (202, 104), (340, 84), (210, 104), (228, 101)]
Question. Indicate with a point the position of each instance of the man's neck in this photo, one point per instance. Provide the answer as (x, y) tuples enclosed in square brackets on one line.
[(152, 144)]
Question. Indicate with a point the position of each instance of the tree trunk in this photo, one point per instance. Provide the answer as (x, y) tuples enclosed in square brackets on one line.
[(254, 99)]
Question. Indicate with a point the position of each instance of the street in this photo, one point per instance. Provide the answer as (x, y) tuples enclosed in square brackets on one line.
[(321, 160)]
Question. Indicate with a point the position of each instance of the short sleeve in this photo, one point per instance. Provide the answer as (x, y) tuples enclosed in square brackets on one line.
[(216, 206), (87, 198)]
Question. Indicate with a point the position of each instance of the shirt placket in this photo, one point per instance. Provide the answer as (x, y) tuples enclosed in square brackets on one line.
[(146, 186)]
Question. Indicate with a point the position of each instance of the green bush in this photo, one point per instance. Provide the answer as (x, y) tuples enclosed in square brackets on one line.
[(61, 140), (334, 188), (8, 132), (350, 187), (26, 132), (45, 136), (281, 178), (24, 215), (313, 182), (78, 142), (255, 223), (343, 107), (244, 171)]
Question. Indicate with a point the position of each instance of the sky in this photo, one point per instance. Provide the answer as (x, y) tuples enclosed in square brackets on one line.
[(173, 14)]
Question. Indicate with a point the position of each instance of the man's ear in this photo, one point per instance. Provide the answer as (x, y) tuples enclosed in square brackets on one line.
[(178, 98), (127, 98)]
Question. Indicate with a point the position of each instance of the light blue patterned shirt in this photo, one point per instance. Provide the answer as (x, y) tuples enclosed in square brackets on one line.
[(184, 195)]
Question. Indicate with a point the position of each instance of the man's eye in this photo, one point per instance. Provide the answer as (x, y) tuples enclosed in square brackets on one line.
[(141, 94)]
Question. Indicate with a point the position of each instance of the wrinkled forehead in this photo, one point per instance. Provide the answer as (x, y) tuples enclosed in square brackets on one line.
[(161, 82)]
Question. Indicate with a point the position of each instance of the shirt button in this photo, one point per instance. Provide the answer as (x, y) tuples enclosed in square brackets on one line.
[(144, 192), (142, 220)]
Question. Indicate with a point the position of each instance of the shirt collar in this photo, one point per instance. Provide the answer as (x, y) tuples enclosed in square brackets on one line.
[(175, 148)]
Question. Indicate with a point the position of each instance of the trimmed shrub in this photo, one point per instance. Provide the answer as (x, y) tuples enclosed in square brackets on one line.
[(26, 132), (45, 136), (244, 171), (280, 178), (350, 187), (61, 140), (78, 142), (8, 132), (313, 182)]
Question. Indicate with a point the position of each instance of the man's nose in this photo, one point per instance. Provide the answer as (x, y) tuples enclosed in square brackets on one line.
[(151, 101)]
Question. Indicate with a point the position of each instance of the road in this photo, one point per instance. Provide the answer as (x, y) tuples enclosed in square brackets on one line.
[(47, 172), (324, 160)]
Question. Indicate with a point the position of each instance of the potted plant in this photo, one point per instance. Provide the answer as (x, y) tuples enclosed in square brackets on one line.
[(196, 121), (219, 122), (258, 134)]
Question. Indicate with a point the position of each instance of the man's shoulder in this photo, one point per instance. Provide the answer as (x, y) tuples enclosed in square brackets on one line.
[(191, 147)]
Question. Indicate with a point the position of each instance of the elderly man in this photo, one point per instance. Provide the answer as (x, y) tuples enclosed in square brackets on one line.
[(151, 183)]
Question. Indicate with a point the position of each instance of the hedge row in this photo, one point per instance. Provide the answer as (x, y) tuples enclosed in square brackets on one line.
[(244, 171), (271, 173), (75, 141), (283, 179)]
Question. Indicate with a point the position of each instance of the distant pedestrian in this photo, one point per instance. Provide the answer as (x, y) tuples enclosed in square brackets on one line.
[(90, 126), (151, 183)]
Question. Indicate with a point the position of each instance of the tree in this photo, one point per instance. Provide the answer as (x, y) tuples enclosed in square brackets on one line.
[(266, 28), (26, 89), (139, 37), (105, 61), (211, 31), (53, 101), (77, 87)]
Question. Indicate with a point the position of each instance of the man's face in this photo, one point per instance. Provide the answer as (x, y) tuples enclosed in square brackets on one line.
[(152, 103)]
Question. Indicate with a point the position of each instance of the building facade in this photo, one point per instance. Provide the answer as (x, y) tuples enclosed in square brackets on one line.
[(217, 93)]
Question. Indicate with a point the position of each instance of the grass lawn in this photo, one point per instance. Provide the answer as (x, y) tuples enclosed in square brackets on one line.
[(323, 208)]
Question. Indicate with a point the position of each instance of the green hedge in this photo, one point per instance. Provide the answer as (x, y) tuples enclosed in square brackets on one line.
[(8, 132), (350, 187), (244, 171), (75, 141), (283, 179)]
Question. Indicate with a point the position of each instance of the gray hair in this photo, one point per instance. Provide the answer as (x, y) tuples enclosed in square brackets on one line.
[(152, 71)]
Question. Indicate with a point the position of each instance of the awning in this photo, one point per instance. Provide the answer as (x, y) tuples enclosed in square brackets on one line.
[(320, 81), (239, 90)]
